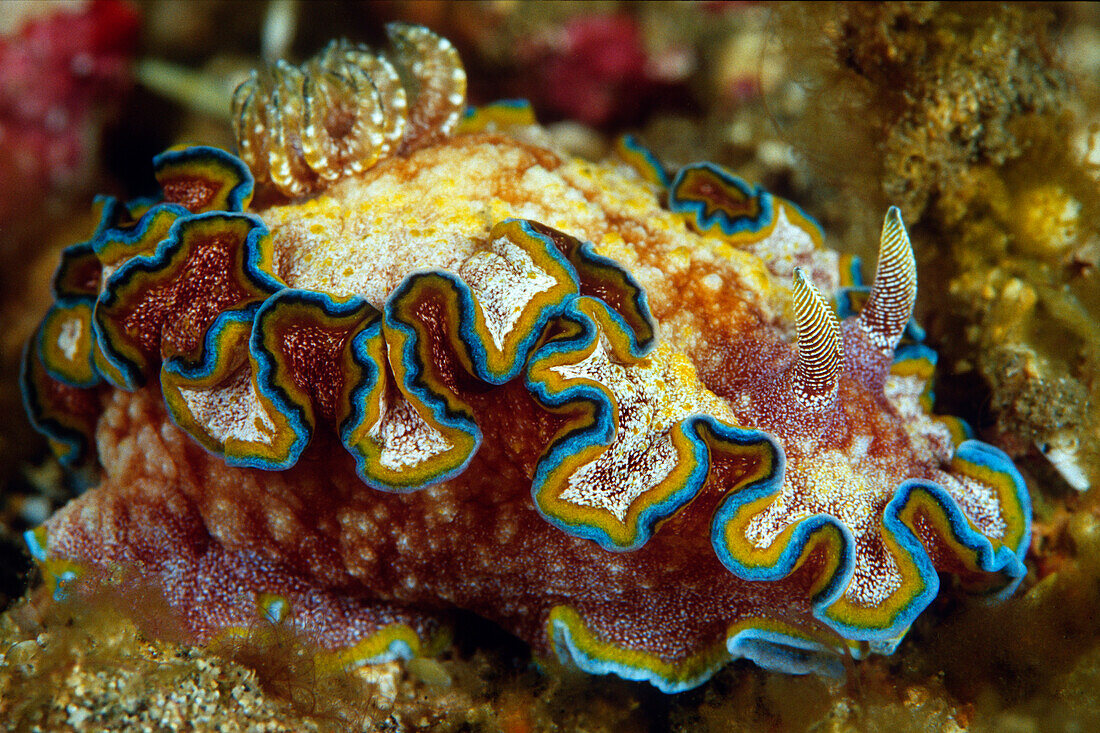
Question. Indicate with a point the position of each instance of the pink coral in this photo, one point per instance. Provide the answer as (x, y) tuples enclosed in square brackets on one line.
[(595, 71), (58, 73)]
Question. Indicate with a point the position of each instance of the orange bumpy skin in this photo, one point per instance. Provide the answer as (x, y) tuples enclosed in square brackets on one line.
[(607, 408)]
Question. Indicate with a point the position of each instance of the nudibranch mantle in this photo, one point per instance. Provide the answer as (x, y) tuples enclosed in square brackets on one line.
[(608, 408)]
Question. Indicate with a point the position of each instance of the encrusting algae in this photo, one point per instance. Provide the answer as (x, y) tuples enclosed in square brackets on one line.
[(608, 408)]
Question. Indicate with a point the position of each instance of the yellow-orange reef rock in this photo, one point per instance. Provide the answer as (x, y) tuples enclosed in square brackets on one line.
[(607, 408)]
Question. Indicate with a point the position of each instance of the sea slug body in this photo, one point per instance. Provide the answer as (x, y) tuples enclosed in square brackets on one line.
[(610, 409)]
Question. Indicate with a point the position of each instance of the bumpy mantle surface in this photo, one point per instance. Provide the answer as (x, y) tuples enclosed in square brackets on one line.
[(607, 408)]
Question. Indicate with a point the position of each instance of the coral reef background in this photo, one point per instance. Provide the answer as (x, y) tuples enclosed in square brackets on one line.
[(979, 121)]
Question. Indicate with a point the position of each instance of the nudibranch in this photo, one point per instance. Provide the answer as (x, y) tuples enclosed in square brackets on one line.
[(447, 366)]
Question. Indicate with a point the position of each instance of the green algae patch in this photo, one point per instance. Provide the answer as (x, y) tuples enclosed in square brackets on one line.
[(115, 660), (84, 666)]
